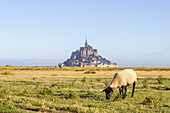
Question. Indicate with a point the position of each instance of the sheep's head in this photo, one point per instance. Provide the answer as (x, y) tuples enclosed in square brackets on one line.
[(109, 92)]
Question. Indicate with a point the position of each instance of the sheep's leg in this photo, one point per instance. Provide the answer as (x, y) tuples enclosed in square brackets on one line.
[(133, 89), (124, 95), (120, 91)]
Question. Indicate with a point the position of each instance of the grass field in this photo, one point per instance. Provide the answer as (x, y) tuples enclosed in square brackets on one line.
[(48, 89)]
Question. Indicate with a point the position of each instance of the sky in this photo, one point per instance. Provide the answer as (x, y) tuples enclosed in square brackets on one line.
[(46, 32)]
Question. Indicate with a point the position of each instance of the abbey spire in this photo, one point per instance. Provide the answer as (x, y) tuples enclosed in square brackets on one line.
[(86, 42), (87, 57)]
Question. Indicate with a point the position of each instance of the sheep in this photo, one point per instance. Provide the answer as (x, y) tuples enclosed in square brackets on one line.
[(121, 80)]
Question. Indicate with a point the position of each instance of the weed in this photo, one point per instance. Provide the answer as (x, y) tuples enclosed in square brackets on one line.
[(5, 107), (73, 95), (91, 93), (91, 80), (156, 103), (145, 84), (34, 78), (79, 70), (148, 100), (157, 88), (37, 85), (84, 79), (90, 72), (98, 79), (4, 91), (45, 91), (75, 82), (7, 73), (53, 84), (54, 75), (2, 95), (23, 93), (117, 97), (93, 86), (160, 79), (77, 92), (167, 88)]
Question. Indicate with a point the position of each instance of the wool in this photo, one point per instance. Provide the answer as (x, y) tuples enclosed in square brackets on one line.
[(123, 78)]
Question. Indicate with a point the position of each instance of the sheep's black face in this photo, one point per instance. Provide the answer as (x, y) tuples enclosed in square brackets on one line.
[(108, 92)]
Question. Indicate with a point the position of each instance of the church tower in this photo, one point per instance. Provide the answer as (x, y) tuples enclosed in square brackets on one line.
[(87, 57), (86, 43)]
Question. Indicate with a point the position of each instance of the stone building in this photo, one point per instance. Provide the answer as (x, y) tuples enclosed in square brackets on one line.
[(87, 57)]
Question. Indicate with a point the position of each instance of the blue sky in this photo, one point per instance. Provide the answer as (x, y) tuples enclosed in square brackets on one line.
[(128, 32)]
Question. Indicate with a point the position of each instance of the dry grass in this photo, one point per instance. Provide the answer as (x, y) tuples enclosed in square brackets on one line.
[(102, 74), (54, 91), (85, 68)]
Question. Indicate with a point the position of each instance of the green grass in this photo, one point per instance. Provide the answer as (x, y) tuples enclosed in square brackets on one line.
[(79, 94)]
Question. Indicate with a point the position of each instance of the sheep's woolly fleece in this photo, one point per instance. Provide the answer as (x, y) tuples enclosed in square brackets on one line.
[(124, 78)]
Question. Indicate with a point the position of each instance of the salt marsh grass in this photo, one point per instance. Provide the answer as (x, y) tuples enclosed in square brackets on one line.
[(41, 89)]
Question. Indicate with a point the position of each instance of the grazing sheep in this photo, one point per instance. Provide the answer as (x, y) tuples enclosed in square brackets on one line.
[(121, 80)]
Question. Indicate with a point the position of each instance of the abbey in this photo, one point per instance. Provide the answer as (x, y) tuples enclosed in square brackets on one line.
[(87, 57), (84, 52)]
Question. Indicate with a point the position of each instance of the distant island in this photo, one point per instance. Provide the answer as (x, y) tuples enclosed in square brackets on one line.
[(87, 57)]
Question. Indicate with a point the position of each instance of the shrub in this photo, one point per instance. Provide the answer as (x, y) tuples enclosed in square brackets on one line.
[(167, 88), (160, 79), (23, 93), (37, 85), (75, 82), (151, 100), (93, 87), (54, 75), (145, 84), (34, 78), (73, 94), (4, 91), (79, 70), (98, 79), (91, 80), (91, 93), (156, 103), (7, 73), (5, 107), (53, 84), (118, 97), (148, 100), (84, 79), (2, 95), (90, 72), (45, 91)]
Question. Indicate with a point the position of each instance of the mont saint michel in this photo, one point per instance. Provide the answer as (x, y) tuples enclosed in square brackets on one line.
[(87, 57)]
